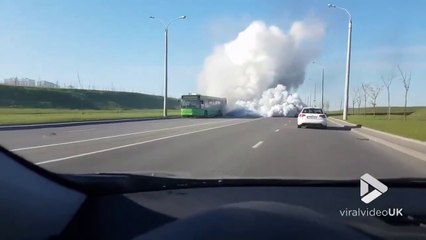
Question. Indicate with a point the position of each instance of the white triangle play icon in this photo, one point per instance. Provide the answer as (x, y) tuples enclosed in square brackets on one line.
[(379, 188)]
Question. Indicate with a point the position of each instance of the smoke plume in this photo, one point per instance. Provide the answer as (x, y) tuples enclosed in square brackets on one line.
[(274, 102), (257, 68)]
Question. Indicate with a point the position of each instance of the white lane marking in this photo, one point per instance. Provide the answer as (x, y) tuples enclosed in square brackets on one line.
[(140, 143), (277, 130), (257, 144), (113, 136), (81, 130)]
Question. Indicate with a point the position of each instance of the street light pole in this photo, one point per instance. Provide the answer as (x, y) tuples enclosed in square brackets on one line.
[(322, 89), (166, 54), (315, 94), (166, 51), (322, 83), (348, 61), (310, 95)]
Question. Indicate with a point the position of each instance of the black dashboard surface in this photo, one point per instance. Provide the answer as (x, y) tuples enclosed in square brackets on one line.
[(126, 216)]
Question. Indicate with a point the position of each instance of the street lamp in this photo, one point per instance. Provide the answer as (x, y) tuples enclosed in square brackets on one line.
[(348, 61), (310, 95), (322, 83), (166, 30), (315, 94)]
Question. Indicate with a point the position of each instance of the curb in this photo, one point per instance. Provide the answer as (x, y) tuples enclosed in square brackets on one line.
[(81, 123), (408, 151), (338, 120), (384, 133)]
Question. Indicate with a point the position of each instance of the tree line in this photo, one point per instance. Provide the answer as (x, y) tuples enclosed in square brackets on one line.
[(368, 92)]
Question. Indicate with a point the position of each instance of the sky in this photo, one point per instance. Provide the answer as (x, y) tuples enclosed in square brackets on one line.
[(113, 44)]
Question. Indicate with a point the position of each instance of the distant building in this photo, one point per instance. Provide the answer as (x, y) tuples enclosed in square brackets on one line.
[(24, 82), (47, 84), (11, 81), (27, 82)]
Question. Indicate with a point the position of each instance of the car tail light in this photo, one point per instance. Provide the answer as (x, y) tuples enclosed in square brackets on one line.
[(322, 116), (301, 115)]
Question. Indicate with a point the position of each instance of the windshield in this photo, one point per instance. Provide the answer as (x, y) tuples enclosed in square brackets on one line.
[(190, 104), (112, 87)]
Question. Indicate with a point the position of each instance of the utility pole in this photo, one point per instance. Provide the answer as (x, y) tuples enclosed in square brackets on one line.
[(79, 81)]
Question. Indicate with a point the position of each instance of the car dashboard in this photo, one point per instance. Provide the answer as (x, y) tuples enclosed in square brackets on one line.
[(43, 205)]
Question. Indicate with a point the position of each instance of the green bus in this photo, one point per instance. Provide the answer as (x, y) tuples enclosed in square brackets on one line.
[(196, 105)]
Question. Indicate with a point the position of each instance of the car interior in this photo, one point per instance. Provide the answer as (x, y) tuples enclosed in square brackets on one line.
[(198, 120), (38, 204)]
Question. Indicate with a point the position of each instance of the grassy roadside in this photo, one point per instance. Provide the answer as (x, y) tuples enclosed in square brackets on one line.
[(10, 116), (60, 98), (414, 127)]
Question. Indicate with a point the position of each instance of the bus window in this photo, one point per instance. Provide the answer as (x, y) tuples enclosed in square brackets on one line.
[(190, 104)]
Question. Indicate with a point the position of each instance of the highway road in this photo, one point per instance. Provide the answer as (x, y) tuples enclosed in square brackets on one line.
[(212, 148)]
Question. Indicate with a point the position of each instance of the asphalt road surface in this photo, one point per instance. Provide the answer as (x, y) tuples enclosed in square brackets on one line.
[(212, 148)]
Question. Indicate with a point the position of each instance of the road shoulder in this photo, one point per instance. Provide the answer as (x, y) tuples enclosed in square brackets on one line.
[(408, 146)]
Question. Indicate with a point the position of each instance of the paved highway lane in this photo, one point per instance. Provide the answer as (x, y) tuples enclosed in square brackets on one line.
[(24, 138), (212, 148)]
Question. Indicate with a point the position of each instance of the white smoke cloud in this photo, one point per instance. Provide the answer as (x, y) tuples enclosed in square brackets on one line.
[(262, 57), (274, 102)]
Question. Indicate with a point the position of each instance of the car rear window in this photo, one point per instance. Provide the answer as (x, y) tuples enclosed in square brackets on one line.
[(312, 110)]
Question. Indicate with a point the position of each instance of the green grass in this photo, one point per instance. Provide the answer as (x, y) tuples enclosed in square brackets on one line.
[(379, 111), (25, 105), (36, 115), (33, 97), (414, 127)]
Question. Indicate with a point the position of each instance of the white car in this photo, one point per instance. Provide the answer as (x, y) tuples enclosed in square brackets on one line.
[(311, 116)]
